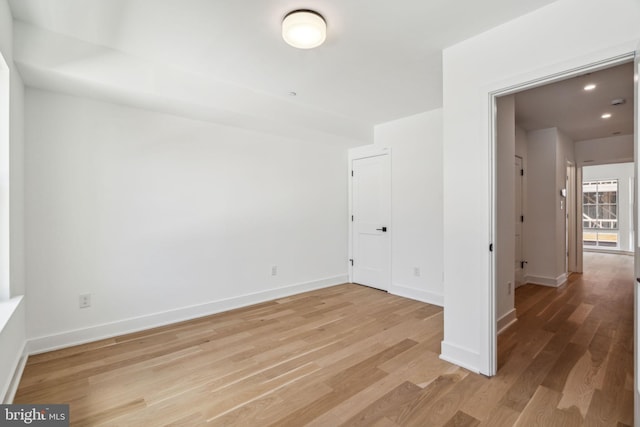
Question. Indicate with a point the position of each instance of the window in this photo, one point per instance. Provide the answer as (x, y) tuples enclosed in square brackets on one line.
[(600, 213)]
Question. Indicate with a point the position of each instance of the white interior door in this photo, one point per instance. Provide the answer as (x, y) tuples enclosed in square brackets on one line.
[(371, 210), (519, 257)]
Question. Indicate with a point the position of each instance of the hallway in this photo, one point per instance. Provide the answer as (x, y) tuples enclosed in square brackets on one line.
[(572, 348)]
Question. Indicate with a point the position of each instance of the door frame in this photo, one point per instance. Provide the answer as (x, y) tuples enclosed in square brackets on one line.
[(493, 93), (571, 221), (520, 182), (358, 153), (578, 211)]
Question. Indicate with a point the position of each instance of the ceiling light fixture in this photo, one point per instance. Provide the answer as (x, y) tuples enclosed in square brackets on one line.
[(606, 115), (590, 86), (304, 29)]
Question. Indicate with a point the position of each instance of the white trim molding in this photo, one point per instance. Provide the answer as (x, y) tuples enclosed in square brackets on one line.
[(460, 356), (126, 326), (547, 281), (17, 376), (12, 345), (506, 320), (7, 309), (417, 294)]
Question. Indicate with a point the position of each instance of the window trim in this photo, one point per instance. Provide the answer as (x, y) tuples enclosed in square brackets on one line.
[(599, 229)]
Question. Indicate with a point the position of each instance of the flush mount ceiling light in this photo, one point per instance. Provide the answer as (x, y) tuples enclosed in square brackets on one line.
[(590, 87), (304, 29), (606, 116)]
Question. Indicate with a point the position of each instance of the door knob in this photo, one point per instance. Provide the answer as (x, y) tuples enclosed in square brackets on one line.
[(383, 229)]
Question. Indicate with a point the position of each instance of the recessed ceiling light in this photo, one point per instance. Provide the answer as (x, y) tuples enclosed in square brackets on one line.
[(590, 86), (304, 29), (606, 115), (292, 93)]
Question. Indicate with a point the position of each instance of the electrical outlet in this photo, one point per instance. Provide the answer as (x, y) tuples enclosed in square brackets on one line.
[(274, 270), (416, 271), (85, 301)]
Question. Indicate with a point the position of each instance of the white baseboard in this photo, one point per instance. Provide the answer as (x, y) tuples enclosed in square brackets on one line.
[(12, 347), (506, 320), (460, 356), (17, 375), (561, 279), (417, 294), (121, 327), (546, 281)]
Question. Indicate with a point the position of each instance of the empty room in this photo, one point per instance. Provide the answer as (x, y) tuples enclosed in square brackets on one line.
[(289, 213)]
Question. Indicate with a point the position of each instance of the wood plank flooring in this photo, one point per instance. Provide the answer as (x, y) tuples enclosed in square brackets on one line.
[(354, 356)]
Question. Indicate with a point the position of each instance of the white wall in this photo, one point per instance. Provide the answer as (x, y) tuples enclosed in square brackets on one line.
[(12, 312), (505, 247), (542, 43), (548, 151), (624, 173), (416, 156), (162, 218), (543, 204), (614, 149)]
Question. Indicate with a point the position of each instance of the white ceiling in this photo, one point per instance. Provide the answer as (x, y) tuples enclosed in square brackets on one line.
[(567, 106), (225, 59)]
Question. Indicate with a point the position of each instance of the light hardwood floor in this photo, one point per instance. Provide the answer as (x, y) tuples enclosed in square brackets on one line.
[(351, 355)]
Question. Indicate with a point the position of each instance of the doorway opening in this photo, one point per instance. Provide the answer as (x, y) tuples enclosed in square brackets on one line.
[(553, 130)]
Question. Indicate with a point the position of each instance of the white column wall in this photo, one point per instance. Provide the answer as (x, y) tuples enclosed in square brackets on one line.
[(559, 37), (12, 311)]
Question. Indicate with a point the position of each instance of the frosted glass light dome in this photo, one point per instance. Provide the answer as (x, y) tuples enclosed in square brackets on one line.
[(304, 29)]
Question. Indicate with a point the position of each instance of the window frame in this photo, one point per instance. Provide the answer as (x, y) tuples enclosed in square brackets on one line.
[(593, 211)]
